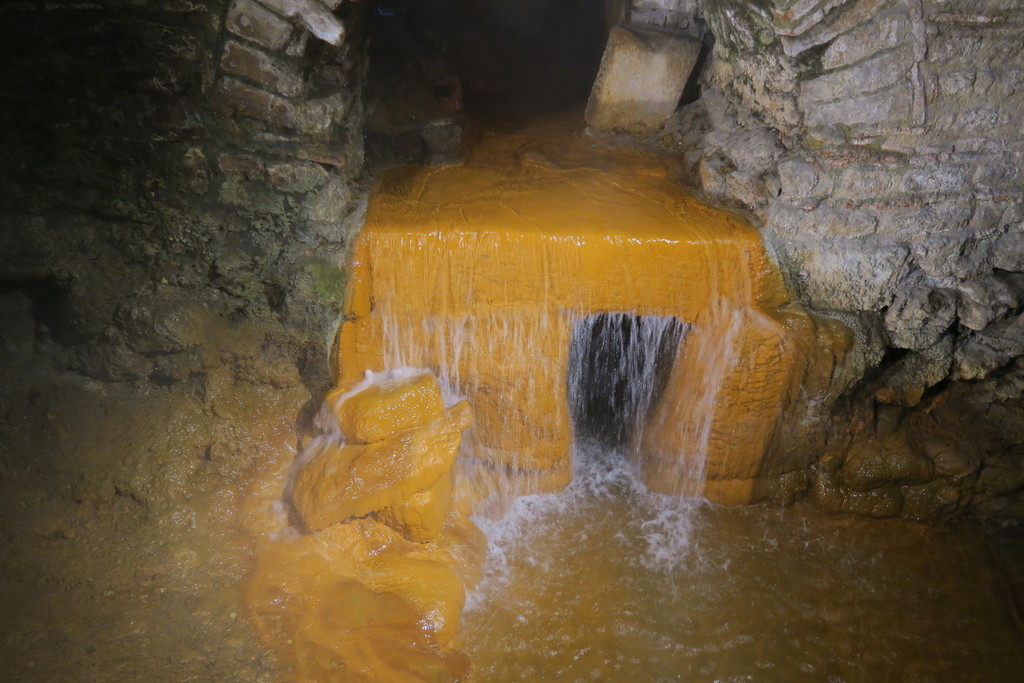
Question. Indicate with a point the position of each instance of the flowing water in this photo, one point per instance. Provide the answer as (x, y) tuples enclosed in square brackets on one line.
[(576, 302), (607, 581)]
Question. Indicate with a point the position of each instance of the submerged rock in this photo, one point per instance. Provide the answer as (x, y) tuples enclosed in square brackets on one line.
[(358, 602)]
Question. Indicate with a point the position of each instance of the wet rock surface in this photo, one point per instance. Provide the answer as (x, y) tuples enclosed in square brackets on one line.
[(884, 173), (119, 507), (179, 183), (372, 584)]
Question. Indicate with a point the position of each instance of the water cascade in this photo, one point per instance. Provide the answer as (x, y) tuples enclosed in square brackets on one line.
[(600, 327), (618, 368), (484, 272)]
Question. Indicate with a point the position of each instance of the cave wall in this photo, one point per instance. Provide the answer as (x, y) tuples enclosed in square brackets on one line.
[(173, 170), (878, 145)]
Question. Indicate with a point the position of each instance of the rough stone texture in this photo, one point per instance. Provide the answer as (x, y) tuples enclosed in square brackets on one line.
[(433, 287), (642, 76), (205, 184), (314, 15), (386, 407), (421, 517), (414, 98), (166, 309), (669, 13), (339, 482), (257, 66), (892, 196)]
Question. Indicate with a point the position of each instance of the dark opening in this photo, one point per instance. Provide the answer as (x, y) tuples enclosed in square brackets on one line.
[(535, 55), (498, 57), (619, 365), (691, 92)]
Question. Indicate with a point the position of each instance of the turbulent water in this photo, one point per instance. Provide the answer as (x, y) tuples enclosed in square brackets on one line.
[(607, 581), (619, 364)]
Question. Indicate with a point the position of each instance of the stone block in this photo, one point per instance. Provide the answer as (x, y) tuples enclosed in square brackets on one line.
[(864, 183), (1008, 250), (934, 179), (919, 315), (906, 381), (879, 71), (799, 178), (253, 22), (442, 141), (259, 104), (886, 31), (797, 222), (793, 17), (849, 275), (990, 349), (242, 164), (250, 195), (259, 67), (806, 24), (317, 116), (642, 76), (908, 220), (330, 202), (297, 176), (314, 15), (958, 255), (984, 299), (890, 106)]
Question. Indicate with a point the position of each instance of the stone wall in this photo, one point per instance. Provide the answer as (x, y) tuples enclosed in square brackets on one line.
[(879, 145), (172, 171)]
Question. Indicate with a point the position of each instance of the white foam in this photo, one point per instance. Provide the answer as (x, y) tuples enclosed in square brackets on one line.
[(659, 526)]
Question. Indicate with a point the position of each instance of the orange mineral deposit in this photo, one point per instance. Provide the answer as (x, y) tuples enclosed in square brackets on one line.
[(479, 271)]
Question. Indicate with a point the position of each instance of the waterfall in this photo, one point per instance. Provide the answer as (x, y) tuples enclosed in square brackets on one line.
[(619, 364)]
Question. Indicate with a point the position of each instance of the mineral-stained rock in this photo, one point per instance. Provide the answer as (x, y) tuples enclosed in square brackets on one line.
[(950, 457), (340, 482), (384, 409), (642, 75), (828, 493), (357, 602), (931, 501), (433, 589), (506, 266), (871, 464), (421, 516), (1003, 473)]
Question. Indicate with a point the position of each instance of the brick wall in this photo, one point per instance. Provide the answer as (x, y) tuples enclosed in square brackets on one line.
[(186, 162)]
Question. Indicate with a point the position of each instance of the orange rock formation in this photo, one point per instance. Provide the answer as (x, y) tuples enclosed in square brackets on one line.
[(375, 590), (478, 271)]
